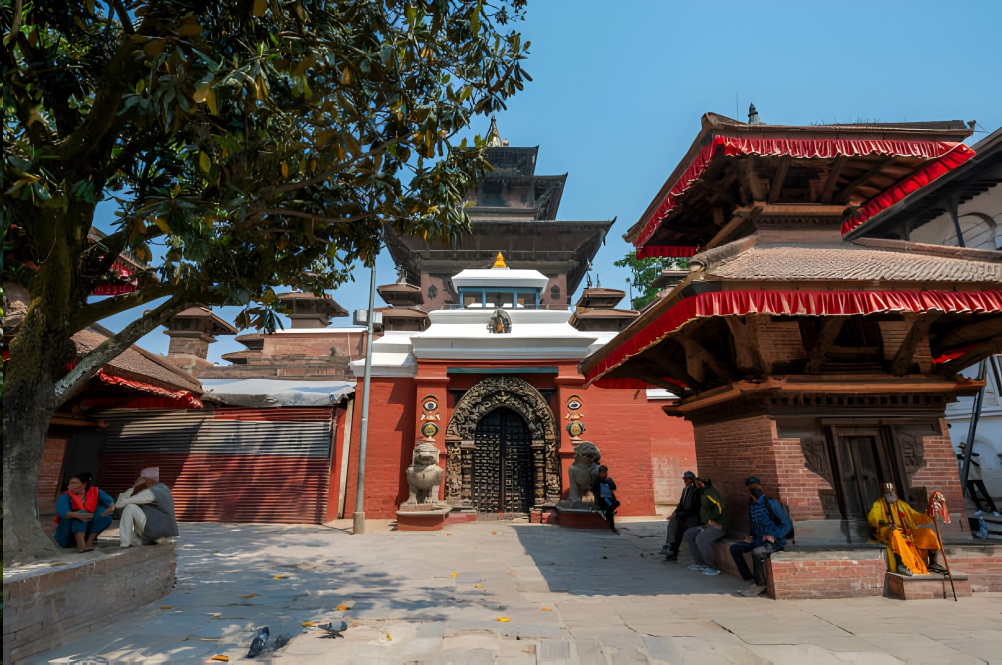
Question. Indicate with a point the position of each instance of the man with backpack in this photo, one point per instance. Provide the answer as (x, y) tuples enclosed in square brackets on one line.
[(770, 526)]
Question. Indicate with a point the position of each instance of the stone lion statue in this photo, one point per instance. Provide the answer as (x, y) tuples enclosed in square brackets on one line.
[(424, 475), (583, 471)]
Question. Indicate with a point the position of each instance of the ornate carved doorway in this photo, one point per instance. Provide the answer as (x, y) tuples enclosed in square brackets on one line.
[(501, 449), (502, 464)]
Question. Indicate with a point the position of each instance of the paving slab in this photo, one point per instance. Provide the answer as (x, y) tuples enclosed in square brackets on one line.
[(508, 593)]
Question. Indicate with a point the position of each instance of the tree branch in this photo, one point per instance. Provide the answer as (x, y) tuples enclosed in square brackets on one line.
[(326, 175), (102, 309), (88, 366), (317, 218)]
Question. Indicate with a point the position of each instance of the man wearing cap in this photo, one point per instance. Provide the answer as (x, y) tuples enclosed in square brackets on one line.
[(685, 516), (770, 525), (907, 534), (147, 511), (713, 525)]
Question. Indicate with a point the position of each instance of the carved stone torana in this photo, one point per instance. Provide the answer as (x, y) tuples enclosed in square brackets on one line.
[(816, 457), (454, 473), (912, 452), (582, 473), (424, 475), (519, 396)]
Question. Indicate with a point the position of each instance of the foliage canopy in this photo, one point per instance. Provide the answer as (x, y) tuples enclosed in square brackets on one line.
[(245, 145)]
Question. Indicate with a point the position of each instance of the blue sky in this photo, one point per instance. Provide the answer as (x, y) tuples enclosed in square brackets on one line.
[(619, 89)]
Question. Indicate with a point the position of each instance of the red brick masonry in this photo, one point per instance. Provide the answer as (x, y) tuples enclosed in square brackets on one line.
[(47, 607)]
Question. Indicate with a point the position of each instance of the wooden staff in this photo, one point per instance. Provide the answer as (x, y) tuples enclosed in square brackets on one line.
[(946, 562)]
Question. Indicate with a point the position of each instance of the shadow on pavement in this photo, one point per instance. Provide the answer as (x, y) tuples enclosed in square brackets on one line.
[(589, 562)]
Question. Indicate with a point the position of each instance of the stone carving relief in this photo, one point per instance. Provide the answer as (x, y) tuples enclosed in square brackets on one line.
[(424, 475), (519, 396), (582, 473)]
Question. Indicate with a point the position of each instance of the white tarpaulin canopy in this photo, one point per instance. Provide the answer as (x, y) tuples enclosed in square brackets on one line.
[(264, 393)]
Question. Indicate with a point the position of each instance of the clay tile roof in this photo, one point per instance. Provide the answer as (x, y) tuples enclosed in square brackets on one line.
[(138, 364), (849, 264)]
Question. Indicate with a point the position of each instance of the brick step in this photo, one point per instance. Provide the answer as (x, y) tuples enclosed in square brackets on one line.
[(927, 587)]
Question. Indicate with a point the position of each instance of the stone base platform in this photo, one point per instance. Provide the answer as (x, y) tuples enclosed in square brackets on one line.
[(801, 573), (927, 587), (422, 520), (52, 603), (580, 518)]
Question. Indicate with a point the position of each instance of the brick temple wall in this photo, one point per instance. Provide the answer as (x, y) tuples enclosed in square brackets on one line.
[(50, 473)]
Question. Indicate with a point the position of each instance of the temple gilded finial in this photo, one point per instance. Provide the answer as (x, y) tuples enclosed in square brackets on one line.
[(493, 135), (499, 261)]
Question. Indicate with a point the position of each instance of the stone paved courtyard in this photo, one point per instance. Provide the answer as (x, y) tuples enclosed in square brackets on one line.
[(509, 593)]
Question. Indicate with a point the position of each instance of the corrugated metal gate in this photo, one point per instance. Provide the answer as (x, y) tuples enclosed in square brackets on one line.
[(228, 464)]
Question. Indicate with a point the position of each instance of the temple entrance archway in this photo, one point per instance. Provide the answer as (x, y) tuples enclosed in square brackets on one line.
[(502, 438), (502, 464)]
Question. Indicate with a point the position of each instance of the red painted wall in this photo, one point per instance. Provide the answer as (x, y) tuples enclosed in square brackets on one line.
[(388, 449), (646, 451)]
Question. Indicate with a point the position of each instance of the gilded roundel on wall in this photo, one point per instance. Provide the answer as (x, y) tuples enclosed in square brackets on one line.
[(429, 430), (575, 428)]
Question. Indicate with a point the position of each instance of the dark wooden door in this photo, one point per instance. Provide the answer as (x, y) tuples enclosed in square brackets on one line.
[(862, 470), (502, 464)]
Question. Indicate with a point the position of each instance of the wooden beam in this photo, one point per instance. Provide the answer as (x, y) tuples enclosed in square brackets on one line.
[(754, 188), (697, 358), (746, 346), (846, 192), (975, 354), (741, 215), (918, 331), (718, 216), (777, 182), (833, 175), (970, 333), (826, 338), (673, 370), (645, 370)]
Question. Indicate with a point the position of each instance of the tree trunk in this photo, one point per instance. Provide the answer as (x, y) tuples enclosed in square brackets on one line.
[(29, 402)]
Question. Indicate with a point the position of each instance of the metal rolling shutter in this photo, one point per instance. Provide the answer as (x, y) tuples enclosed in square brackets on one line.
[(229, 464)]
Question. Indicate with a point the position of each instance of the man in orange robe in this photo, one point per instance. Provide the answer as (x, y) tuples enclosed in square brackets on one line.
[(907, 533)]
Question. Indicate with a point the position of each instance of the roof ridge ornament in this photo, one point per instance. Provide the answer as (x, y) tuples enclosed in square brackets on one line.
[(493, 135), (499, 262)]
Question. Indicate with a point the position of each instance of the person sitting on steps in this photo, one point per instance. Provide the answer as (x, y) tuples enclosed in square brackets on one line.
[(605, 497), (907, 534)]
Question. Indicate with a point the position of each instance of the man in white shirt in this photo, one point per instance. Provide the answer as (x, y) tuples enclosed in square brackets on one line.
[(147, 511)]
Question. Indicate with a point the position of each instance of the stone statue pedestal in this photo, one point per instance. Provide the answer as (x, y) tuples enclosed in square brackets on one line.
[(583, 516), (422, 517)]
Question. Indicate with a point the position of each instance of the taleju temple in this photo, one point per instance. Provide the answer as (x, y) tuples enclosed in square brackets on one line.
[(804, 350), (478, 358)]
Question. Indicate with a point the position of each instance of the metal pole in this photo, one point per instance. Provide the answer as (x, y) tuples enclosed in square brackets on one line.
[(358, 518), (975, 417)]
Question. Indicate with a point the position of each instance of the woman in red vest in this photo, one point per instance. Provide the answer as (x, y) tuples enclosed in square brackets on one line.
[(82, 512)]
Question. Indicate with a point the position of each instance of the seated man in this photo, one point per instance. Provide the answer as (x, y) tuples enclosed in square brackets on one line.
[(147, 511), (685, 516), (907, 533), (713, 526), (770, 526)]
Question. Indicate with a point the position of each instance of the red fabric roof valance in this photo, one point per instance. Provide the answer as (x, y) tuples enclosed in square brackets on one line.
[(177, 399), (791, 303), (670, 251), (948, 154), (121, 271)]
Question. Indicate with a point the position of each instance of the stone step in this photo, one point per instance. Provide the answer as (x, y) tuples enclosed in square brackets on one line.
[(926, 587)]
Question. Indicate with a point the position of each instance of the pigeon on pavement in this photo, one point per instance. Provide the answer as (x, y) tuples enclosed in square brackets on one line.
[(257, 646), (333, 629)]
